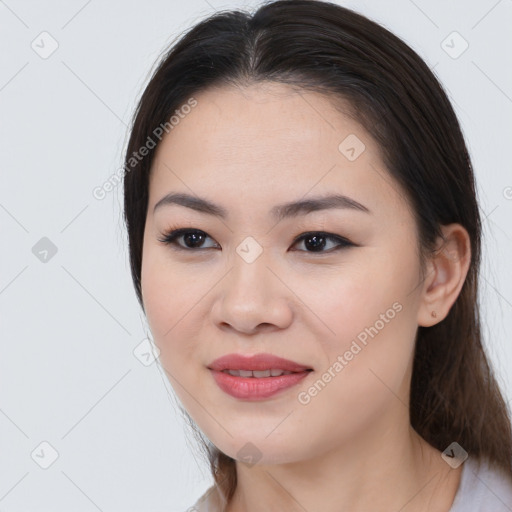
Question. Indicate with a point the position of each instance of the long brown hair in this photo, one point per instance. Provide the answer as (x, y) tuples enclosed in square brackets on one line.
[(323, 47)]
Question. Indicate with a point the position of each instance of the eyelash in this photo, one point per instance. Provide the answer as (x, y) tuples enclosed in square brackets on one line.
[(171, 236)]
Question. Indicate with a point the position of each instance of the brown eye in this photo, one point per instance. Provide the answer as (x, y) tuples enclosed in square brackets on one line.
[(192, 239), (316, 242)]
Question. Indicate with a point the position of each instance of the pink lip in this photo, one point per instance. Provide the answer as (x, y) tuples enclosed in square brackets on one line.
[(251, 388), (256, 362)]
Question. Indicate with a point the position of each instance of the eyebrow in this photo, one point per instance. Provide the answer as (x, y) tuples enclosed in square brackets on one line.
[(279, 212)]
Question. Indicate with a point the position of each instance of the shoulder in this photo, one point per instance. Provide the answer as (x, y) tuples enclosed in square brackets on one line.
[(210, 501), (483, 488)]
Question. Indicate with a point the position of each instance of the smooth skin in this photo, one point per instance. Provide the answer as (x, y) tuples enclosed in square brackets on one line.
[(351, 448)]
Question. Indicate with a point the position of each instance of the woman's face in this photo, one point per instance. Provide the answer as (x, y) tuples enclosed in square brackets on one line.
[(248, 283)]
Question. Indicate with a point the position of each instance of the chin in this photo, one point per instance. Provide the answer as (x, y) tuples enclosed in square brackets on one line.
[(259, 452)]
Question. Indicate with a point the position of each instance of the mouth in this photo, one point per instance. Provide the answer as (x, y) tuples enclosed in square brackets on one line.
[(256, 364), (256, 377)]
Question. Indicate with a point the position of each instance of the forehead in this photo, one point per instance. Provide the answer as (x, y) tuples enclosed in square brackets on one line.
[(269, 140)]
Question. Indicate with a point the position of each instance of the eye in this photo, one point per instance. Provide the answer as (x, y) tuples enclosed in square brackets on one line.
[(317, 241), (194, 239)]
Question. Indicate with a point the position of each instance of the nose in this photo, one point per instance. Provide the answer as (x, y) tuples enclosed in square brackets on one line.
[(253, 298)]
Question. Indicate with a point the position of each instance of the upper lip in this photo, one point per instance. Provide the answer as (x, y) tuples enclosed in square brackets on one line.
[(256, 362)]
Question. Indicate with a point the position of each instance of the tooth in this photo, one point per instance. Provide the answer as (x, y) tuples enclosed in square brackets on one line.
[(261, 373), (274, 372)]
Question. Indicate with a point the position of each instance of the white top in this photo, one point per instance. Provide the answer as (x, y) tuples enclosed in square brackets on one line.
[(481, 489)]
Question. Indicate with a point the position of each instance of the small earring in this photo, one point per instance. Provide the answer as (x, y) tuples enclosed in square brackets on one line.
[(434, 314)]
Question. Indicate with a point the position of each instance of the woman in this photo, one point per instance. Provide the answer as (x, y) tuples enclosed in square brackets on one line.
[(304, 241)]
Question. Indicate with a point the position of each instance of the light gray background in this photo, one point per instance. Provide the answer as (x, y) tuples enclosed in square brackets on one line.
[(70, 325)]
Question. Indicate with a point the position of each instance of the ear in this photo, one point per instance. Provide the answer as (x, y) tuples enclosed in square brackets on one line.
[(446, 272)]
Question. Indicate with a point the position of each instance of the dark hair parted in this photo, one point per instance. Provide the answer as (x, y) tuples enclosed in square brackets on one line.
[(323, 47)]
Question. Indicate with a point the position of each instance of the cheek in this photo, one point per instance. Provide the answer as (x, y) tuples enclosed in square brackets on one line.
[(363, 381), (371, 291), (371, 315), (164, 291), (173, 295)]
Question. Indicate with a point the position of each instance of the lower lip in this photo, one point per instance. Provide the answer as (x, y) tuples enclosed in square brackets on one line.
[(252, 388)]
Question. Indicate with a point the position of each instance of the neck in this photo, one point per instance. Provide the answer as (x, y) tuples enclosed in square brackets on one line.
[(392, 470)]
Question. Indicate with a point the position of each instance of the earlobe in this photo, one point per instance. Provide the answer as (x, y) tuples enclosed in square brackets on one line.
[(446, 272)]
